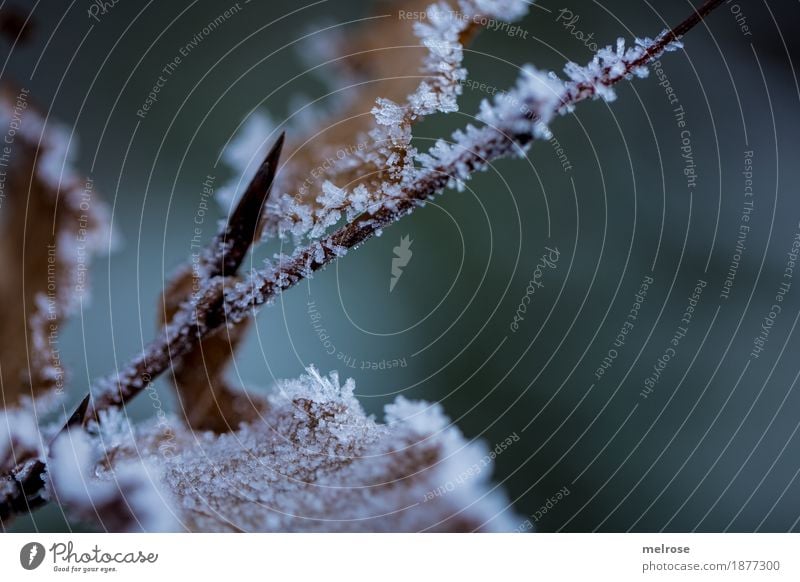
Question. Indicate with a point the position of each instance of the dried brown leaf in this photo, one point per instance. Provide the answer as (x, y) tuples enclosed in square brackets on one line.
[(50, 223)]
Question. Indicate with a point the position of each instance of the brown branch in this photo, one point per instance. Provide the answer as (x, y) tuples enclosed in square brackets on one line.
[(215, 307), (677, 32)]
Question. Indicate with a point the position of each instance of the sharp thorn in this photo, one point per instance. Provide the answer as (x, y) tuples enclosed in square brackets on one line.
[(243, 224)]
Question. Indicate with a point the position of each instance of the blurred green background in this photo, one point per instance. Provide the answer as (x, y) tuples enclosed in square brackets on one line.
[(712, 447)]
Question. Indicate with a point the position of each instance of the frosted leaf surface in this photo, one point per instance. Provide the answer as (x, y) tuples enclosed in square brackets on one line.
[(317, 462), (52, 223)]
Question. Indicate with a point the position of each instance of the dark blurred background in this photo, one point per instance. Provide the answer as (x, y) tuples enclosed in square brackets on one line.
[(712, 446)]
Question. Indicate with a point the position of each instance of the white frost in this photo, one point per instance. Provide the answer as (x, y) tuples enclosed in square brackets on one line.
[(122, 498), (19, 437), (317, 462)]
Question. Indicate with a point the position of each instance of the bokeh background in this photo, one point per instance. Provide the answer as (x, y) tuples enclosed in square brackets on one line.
[(713, 447)]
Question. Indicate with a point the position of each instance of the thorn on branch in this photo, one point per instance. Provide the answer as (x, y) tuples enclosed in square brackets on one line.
[(78, 417), (231, 245)]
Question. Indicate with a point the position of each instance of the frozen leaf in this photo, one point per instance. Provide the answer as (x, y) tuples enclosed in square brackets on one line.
[(316, 462), (51, 223)]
